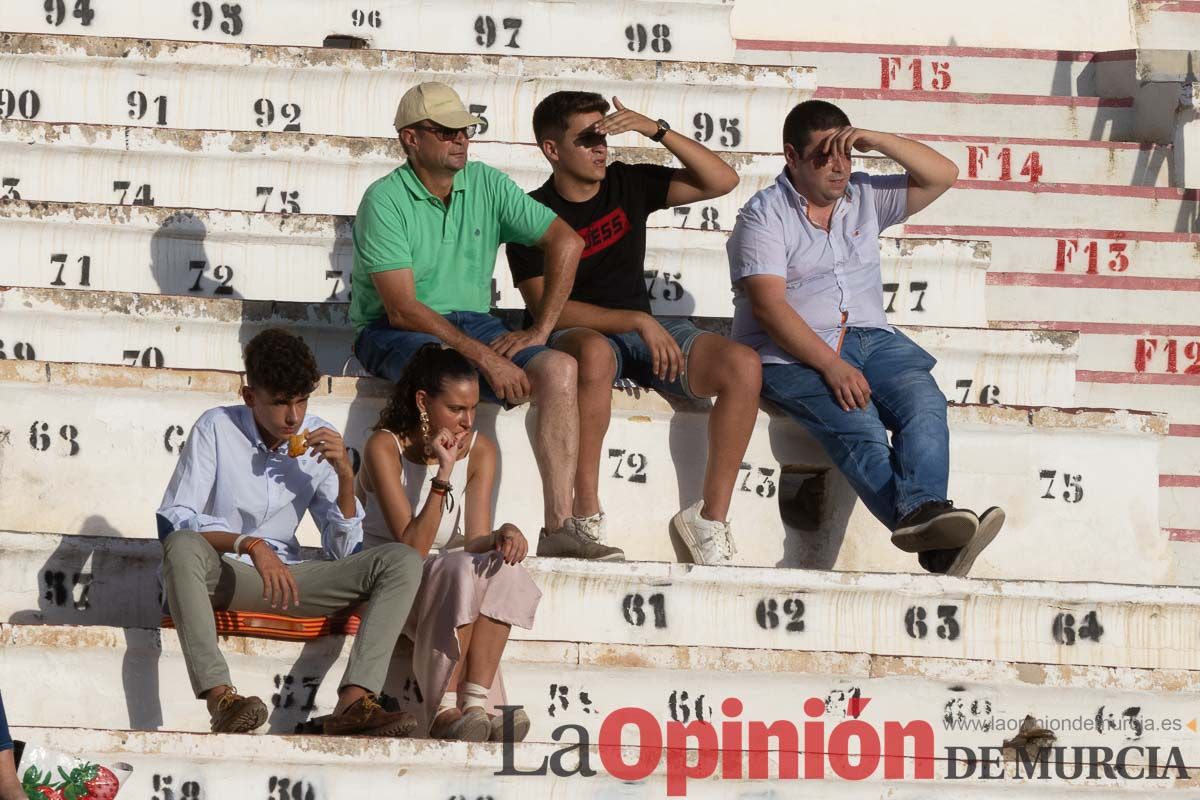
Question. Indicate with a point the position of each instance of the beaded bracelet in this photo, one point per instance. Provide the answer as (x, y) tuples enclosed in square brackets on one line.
[(438, 483)]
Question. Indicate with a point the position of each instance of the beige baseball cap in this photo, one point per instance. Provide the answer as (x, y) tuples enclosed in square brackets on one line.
[(437, 102)]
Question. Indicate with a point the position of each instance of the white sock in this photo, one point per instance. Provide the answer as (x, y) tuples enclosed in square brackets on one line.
[(449, 700), (475, 696)]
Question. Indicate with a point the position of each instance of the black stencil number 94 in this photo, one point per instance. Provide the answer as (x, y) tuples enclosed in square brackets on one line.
[(231, 17), (485, 31), (56, 12), (766, 614), (1072, 486), (916, 627), (728, 127), (164, 789), (289, 112), (657, 37), (1066, 633), (634, 609)]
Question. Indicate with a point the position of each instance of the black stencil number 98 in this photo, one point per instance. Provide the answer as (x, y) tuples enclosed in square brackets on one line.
[(657, 37)]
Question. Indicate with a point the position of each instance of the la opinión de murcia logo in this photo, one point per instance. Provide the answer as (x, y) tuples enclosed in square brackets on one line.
[(851, 750)]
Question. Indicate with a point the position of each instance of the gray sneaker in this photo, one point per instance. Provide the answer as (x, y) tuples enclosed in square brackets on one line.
[(568, 542), (594, 527), (709, 541)]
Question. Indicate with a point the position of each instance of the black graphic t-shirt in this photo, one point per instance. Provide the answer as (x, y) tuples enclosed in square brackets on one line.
[(613, 227)]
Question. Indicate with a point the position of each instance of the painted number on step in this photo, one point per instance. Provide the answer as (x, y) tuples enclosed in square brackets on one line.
[(173, 439), (289, 200), (150, 357), (1069, 631), (663, 285), (486, 31), (60, 593), (142, 196), (56, 12), (706, 127), (769, 613), (40, 438), (264, 110), (561, 700), (165, 789), (85, 269), (288, 686), (988, 395), (916, 626), (634, 465), (657, 37), (921, 74), (1162, 355), (140, 105), (980, 164), (21, 351), (709, 218), (917, 288), (758, 480), (221, 274), (24, 104), (1062, 484), (10, 186), (289, 789), (634, 608), (685, 708), (203, 17), (366, 19), (1071, 253)]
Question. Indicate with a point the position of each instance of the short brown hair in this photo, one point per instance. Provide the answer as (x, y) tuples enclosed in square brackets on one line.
[(550, 118), (281, 363), (809, 116)]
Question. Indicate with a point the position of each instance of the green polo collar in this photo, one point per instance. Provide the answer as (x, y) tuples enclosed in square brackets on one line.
[(408, 177)]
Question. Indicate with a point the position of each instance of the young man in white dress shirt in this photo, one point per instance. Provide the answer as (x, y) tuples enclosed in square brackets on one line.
[(228, 525)]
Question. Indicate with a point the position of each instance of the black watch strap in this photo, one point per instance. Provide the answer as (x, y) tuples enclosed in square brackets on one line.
[(663, 127)]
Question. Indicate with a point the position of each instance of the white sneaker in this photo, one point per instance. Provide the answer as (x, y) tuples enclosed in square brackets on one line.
[(594, 527), (708, 541)]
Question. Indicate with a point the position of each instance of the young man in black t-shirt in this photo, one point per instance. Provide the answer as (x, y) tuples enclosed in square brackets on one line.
[(607, 324)]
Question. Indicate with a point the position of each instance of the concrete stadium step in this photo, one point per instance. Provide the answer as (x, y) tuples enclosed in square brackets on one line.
[(304, 173), (354, 92), (300, 173), (974, 365), (694, 30), (968, 703), (1166, 24), (51, 579), (1097, 303), (938, 67), (318, 768), (308, 258), (110, 436)]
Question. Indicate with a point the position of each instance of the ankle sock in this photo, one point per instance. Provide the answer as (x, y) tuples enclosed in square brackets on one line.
[(474, 696)]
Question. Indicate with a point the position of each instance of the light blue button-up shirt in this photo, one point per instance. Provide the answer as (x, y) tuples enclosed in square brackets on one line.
[(828, 274), (228, 481)]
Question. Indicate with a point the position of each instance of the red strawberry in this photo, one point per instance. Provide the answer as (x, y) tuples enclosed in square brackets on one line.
[(103, 786), (51, 794)]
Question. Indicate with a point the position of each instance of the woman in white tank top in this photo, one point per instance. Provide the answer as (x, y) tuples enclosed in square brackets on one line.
[(427, 482)]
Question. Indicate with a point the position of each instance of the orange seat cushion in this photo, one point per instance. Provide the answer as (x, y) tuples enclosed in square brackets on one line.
[(277, 626)]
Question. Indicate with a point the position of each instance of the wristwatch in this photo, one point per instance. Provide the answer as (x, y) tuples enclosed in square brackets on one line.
[(663, 127)]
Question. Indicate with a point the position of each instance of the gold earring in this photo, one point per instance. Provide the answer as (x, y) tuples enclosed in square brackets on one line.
[(424, 416)]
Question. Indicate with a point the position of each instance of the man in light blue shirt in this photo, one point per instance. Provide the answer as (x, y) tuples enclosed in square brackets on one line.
[(244, 480), (808, 295)]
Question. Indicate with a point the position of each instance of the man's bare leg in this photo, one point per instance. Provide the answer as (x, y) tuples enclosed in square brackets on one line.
[(597, 366), (731, 372), (553, 378)]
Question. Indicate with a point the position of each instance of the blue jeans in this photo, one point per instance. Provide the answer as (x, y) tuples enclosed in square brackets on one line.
[(385, 351), (635, 362), (891, 479)]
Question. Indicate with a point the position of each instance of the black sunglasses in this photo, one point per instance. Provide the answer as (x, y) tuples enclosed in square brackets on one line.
[(449, 134)]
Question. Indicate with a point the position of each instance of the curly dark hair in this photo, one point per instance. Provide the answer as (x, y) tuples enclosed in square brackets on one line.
[(552, 115), (429, 370), (281, 363)]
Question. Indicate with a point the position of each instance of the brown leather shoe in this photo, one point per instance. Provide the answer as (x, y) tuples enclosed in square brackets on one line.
[(237, 714), (365, 717)]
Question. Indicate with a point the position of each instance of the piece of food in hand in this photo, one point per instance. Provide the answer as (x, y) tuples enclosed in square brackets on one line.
[(297, 444)]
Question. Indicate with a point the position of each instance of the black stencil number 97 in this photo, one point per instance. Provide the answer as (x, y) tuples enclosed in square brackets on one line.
[(486, 31)]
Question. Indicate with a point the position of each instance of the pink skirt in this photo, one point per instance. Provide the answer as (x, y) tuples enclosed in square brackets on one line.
[(456, 589)]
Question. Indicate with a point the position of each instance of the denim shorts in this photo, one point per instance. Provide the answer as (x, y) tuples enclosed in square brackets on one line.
[(385, 351), (635, 362)]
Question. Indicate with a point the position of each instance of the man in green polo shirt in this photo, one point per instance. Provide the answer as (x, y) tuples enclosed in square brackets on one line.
[(425, 242)]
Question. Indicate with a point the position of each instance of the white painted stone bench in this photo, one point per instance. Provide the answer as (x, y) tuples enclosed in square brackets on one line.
[(968, 703), (309, 258), (696, 29), (354, 92), (1069, 479), (974, 364)]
